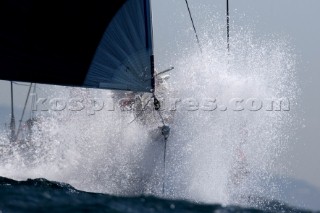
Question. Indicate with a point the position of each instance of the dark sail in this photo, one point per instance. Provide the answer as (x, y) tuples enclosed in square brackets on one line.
[(96, 43)]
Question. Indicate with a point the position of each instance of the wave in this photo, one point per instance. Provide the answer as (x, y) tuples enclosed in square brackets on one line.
[(41, 195)]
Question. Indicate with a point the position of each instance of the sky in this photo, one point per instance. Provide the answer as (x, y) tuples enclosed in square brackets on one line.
[(295, 19)]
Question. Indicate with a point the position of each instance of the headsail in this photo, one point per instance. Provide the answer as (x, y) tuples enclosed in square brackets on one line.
[(97, 43)]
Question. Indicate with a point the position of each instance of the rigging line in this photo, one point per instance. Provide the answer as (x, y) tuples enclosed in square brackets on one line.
[(27, 85), (165, 71), (228, 27), (33, 101), (157, 106), (194, 28), (24, 109), (142, 110), (164, 132), (12, 110), (12, 122), (164, 167), (162, 120), (158, 109), (21, 84)]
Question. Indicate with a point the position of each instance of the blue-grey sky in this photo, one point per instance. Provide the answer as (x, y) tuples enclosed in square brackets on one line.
[(296, 19), (299, 20)]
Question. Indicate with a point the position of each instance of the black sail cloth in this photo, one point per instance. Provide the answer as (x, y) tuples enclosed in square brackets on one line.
[(96, 43)]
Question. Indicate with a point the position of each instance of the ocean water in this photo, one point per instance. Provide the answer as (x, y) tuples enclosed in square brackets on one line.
[(41, 195), (217, 158)]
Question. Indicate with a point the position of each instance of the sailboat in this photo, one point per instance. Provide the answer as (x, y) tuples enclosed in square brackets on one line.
[(96, 44), (90, 44)]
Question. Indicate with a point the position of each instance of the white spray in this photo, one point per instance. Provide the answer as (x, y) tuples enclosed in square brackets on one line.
[(213, 155)]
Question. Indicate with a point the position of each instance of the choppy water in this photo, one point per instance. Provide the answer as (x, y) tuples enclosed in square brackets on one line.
[(41, 195)]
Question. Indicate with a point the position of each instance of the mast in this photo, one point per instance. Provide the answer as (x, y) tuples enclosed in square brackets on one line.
[(149, 38), (149, 44), (228, 27), (12, 122)]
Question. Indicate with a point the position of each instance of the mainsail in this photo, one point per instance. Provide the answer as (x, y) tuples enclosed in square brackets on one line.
[(96, 43)]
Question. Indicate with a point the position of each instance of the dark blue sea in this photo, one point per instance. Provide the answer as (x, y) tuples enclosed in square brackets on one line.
[(41, 195)]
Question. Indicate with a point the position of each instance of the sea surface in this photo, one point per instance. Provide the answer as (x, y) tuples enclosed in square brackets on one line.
[(41, 195)]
